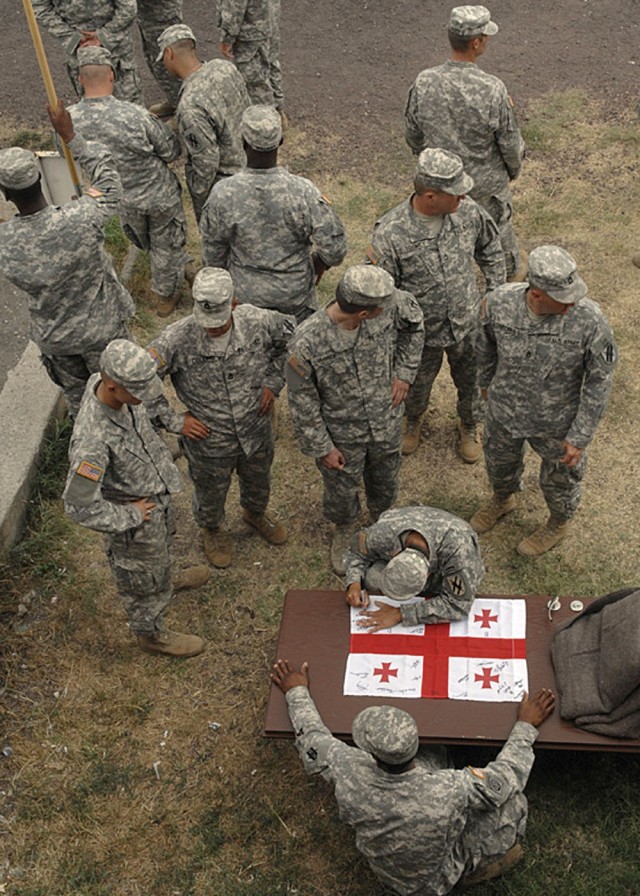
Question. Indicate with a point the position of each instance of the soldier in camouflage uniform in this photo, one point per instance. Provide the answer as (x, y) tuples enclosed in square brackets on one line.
[(409, 551), (262, 224), (151, 209), (226, 365), (57, 257), (212, 100), (275, 72), (421, 825), (459, 107), (546, 358), (154, 16), (85, 23), (245, 37), (349, 371), (120, 481), (428, 244)]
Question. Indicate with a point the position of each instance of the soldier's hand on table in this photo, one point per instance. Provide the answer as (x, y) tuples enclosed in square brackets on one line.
[(571, 454), (61, 121), (334, 460), (145, 506), (193, 428), (356, 595), (286, 677), (266, 401), (399, 392), (536, 709), (227, 50), (384, 616)]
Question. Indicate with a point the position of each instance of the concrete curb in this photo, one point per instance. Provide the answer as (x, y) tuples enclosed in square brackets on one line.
[(29, 402)]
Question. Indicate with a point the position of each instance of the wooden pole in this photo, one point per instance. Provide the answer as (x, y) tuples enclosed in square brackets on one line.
[(50, 89)]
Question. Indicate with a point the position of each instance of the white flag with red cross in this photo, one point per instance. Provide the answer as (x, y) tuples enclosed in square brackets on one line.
[(482, 657)]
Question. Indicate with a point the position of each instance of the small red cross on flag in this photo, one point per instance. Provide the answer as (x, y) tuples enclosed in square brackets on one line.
[(485, 618), (386, 672)]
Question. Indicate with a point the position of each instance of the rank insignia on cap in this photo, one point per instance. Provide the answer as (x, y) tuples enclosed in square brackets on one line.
[(456, 585), (90, 471), (372, 255), (157, 357)]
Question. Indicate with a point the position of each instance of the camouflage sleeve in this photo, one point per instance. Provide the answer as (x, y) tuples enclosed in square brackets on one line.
[(600, 360), (453, 602), (509, 139), (48, 16), (83, 501), (123, 16), (200, 136), (164, 141), (410, 337), (507, 775), (305, 406), (230, 16), (488, 251), (281, 328), (412, 130), (160, 411), (315, 744), (327, 232), (380, 252), (486, 348), (106, 186), (358, 558), (216, 237)]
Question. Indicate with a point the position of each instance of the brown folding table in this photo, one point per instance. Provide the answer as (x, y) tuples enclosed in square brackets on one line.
[(315, 627)]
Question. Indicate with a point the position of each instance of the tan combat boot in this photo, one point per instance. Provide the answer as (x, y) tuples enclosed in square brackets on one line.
[(411, 433), (339, 544), (164, 109), (166, 305), (544, 538), (494, 869), (470, 444), (488, 515), (193, 577), (217, 547), (271, 530), (168, 643)]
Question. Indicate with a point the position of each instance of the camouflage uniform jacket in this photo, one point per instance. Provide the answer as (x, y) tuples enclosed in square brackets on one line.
[(455, 564), (246, 20), (260, 225), (457, 106), (223, 390), (110, 19), (340, 391), (550, 377), (115, 458), (57, 257), (409, 827), (438, 270), (141, 145), (209, 115)]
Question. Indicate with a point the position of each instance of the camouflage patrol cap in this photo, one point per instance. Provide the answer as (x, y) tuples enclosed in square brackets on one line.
[(132, 367), (405, 575), (439, 169), (555, 272), (213, 296), (366, 286), (94, 56), (471, 21), (389, 733), (18, 168), (262, 128), (172, 35)]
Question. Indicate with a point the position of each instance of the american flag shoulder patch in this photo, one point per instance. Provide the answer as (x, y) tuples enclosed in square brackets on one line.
[(157, 357), (372, 255), (90, 471), (95, 194)]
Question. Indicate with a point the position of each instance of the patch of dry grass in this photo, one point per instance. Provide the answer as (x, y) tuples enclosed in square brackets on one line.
[(134, 775)]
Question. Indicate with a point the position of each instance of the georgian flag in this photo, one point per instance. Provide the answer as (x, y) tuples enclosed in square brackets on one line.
[(482, 657)]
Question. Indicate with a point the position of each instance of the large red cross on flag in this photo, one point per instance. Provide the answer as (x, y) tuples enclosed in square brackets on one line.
[(482, 657)]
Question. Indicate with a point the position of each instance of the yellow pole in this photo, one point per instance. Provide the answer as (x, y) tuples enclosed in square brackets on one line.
[(51, 91)]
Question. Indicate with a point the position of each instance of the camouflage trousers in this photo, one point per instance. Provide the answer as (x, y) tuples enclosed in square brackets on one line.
[(127, 86), (504, 459), (463, 365), (141, 566), (71, 372), (489, 834), (275, 73), (153, 17), (211, 478), (377, 465), (164, 236), (501, 210), (252, 61)]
